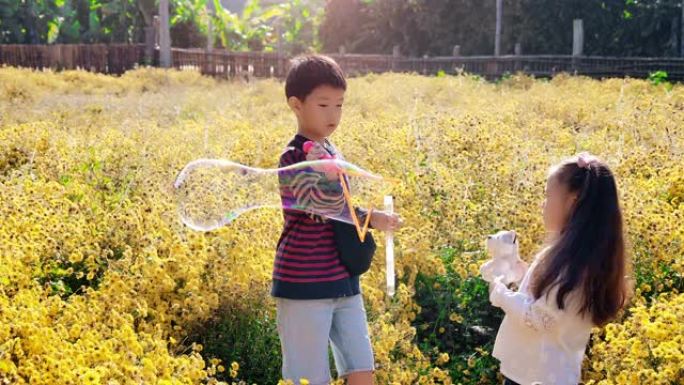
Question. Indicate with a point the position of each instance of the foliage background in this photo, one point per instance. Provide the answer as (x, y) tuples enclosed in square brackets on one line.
[(101, 284), (419, 27)]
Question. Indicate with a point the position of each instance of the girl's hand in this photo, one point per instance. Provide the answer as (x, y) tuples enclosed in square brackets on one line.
[(492, 286), (383, 221)]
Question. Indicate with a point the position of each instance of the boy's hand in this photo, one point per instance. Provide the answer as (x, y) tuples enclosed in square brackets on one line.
[(383, 221)]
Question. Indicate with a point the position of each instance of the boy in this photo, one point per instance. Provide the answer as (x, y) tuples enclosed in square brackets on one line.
[(317, 299)]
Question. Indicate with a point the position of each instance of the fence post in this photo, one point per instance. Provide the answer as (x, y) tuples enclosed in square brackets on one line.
[(577, 42), (455, 54), (396, 53), (149, 44), (210, 26), (341, 60), (517, 51), (577, 37), (210, 64), (164, 35), (156, 26), (497, 37), (681, 38), (280, 66)]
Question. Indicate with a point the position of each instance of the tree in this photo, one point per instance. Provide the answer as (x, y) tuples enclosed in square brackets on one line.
[(73, 21), (26, 22), (291, 24), (612, 27)]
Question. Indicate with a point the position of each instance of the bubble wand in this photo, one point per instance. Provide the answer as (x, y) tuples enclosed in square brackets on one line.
[(389, 249)]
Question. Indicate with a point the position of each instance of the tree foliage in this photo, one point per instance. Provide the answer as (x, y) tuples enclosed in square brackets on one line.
[(433, 27)]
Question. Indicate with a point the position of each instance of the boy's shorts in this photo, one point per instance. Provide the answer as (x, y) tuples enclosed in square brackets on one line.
[(306, 326)]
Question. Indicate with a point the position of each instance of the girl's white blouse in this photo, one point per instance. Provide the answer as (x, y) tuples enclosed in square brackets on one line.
[(538, 343)]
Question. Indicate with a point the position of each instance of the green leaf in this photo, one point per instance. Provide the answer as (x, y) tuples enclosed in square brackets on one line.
[(95, 4), (94, 21), (270, 13), (251, 7), (53, 31)]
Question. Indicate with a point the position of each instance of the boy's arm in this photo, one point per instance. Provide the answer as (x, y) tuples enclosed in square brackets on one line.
[(307, 189), (286, 178), (298, 186)]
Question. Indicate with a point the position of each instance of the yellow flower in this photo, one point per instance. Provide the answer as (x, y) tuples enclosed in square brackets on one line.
[(471, 361), (90, 377), (80, 197), (7, 366), (455, 318), (75, 257), (474, 269)]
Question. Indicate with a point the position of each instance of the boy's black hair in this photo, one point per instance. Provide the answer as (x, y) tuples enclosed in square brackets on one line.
[(310, 71)]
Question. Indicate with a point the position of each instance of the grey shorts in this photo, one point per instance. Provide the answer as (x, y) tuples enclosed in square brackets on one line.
[(306, 327)]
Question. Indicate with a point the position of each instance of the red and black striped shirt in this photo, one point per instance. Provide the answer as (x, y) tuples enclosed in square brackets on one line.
[(307, 263)]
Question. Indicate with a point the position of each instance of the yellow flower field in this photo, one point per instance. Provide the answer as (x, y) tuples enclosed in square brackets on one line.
[(100, 283)]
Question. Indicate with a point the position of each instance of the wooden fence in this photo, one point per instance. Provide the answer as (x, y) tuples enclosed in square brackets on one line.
[(104, 58), (228, 65), (118, 58)]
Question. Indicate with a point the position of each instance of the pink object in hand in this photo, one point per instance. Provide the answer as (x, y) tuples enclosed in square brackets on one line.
[(307, 146), (315, 151)]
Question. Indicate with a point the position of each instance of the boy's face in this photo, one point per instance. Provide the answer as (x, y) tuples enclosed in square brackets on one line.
[(320, 113)]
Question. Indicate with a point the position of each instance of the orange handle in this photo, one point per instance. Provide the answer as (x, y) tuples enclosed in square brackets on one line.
[(347, 196)]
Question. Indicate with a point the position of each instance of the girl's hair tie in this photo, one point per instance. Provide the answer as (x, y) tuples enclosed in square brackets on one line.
[(586, 160)]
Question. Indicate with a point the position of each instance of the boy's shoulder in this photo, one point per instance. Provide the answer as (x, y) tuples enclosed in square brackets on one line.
[(296, 143), (287, 150), (293, 152)]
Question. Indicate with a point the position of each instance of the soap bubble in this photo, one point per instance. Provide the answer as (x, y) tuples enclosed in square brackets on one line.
[(212, 193)]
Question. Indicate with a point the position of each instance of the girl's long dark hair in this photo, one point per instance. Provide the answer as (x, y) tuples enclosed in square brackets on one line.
[(589, 254)]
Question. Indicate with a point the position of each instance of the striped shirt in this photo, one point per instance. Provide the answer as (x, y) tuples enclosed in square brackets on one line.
[(307, 264)]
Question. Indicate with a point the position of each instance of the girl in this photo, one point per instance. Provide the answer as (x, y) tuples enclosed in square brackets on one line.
[(575, 283)]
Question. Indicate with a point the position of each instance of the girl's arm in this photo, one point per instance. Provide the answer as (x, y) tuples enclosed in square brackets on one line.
[(541, 315)]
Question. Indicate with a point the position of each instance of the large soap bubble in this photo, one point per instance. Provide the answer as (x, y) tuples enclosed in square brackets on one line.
[(213, 193)]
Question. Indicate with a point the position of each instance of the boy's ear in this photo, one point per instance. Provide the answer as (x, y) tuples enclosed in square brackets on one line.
[(295, 104)]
